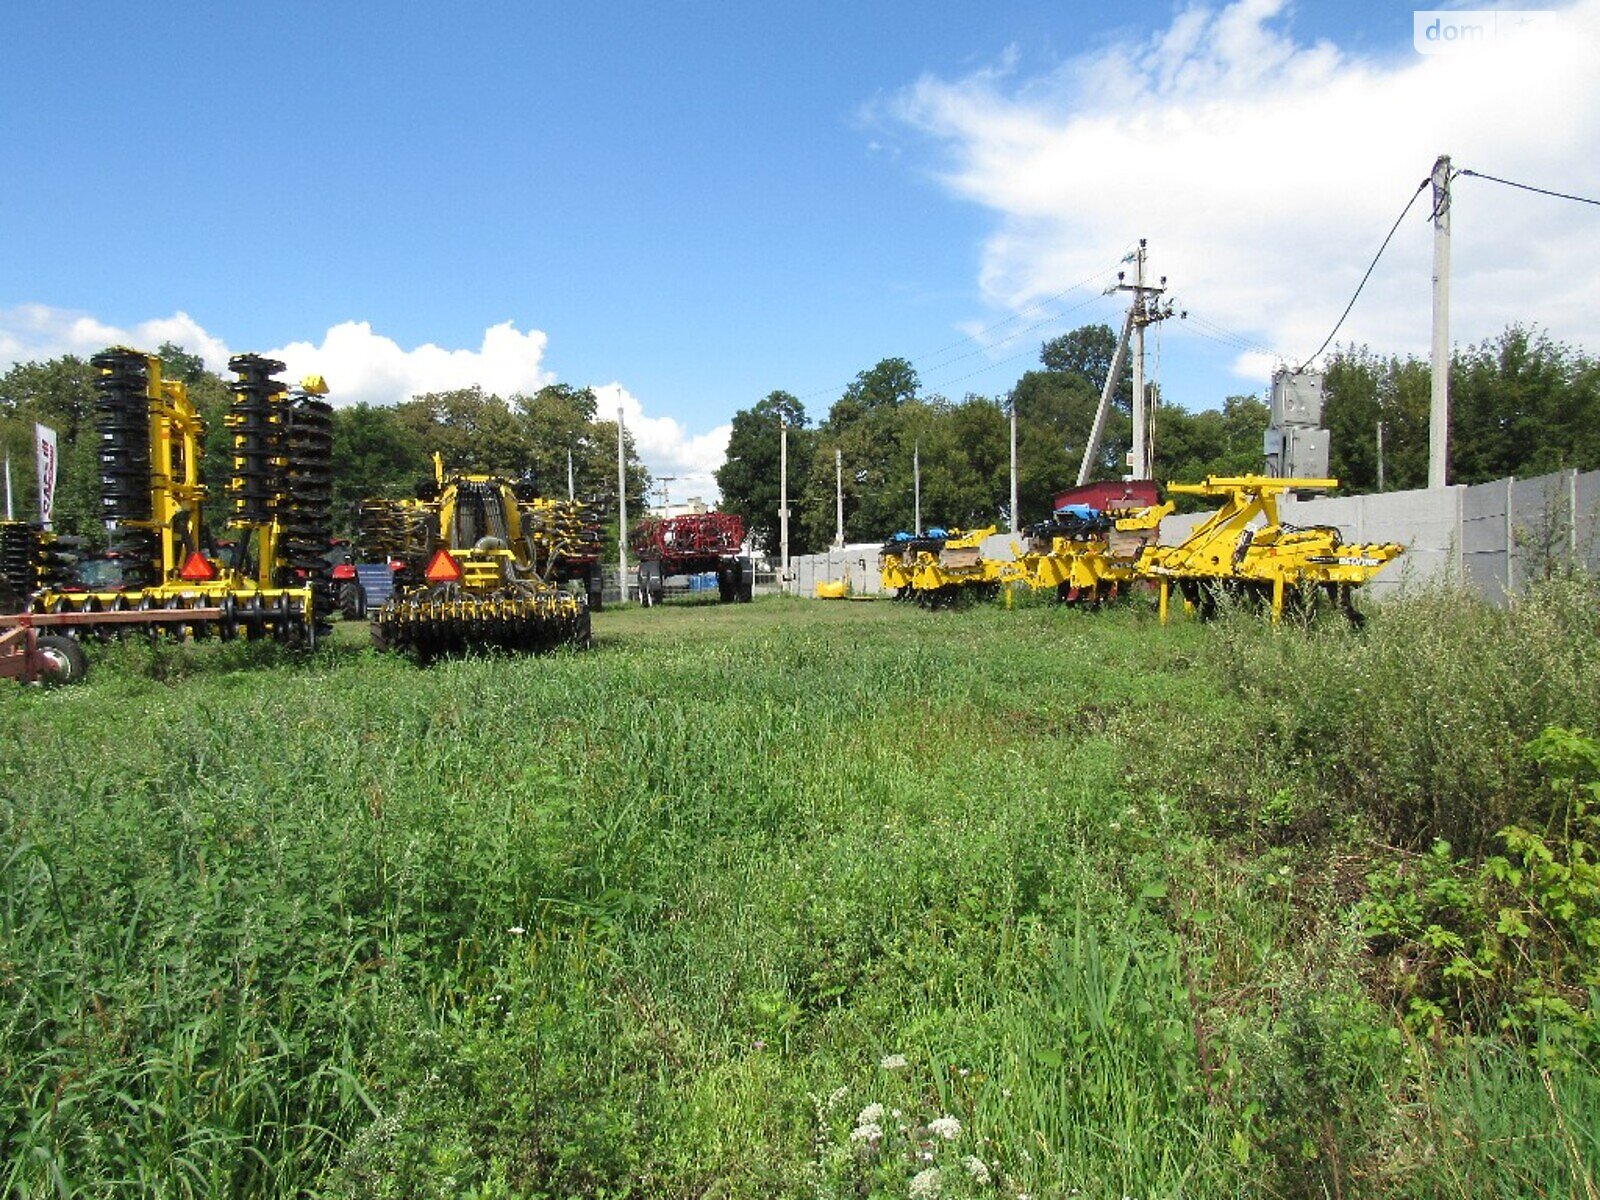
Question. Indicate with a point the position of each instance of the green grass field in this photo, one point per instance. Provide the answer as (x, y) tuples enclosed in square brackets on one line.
[(806, 899)]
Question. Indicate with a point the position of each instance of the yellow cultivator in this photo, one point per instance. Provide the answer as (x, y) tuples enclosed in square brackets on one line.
[(941, 567), (467, 560), (260, 581), (1245, 551), (1088, 555)]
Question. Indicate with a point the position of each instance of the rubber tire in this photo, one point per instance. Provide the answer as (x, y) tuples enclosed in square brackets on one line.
[(353, 601), (70, 663)]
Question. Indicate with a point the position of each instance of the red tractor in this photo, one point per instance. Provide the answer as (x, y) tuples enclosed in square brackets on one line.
[(694, 544)]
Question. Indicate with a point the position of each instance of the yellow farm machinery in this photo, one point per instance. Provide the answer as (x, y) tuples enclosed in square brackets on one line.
[(266, 576), (1089, 555), (941, 567), (31, 558), (475, 562), (1245, 552), (1085, 554)]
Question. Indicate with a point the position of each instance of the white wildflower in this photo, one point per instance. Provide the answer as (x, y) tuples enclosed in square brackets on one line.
[(894, 1062), (946, 1127), (977, 1169), (838, 1095), (872, 1114), (925, 1184), (868, 1132)]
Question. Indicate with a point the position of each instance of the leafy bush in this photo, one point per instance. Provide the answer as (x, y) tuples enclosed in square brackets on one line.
[(1514, 942)]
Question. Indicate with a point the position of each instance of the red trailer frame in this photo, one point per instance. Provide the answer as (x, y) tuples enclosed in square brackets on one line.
[(692, 544)]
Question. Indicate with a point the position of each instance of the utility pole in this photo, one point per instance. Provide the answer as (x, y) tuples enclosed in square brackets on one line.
[(9, 517), (1380, 456), (1145, 309), (783, 502), (666, 501), (1014, 520), (1140, 463), (572, 493), (1439, 410), (1146, 313), (622, 514), (838, 486), (916, 485)]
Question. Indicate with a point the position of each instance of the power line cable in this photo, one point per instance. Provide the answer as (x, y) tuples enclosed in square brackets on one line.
[(1340, 322), (1528, 187), (973, 337), (1018, 315), (1011, 337), (1222, 334)]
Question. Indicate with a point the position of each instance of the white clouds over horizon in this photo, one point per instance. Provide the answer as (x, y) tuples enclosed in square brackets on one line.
[(1265, 171), (361, 365), (666, 447)]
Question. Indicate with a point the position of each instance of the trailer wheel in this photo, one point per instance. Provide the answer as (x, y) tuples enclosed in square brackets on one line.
[(65, 661)]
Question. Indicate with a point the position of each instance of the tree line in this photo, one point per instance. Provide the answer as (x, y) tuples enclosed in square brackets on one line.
[(378, 450), (883, 423)]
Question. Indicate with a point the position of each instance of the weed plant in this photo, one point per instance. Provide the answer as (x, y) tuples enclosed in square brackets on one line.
[(1050, 900)]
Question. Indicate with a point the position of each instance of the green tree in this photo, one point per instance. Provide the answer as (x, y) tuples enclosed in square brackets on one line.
[(60, 394), (375, 454), (864, 426), (178, 363), (748, 476), (474, 430), (1361, 389), (1521, 404), (1087, 352), (1227, 441), (964, 454), (1055, 415)]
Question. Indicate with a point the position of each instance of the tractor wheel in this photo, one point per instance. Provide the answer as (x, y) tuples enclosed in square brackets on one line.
[(353, 601), (65, 660)]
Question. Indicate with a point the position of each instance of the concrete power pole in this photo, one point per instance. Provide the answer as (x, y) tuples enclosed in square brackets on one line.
[(783, 503), (1015, 525), (1439, 411), (622, 513), (838, 486), (1139, 465), (1141, 312), (916, 486), (572, 493)]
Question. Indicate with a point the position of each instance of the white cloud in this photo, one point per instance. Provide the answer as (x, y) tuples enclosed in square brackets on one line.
[(1265, 172), (34, 332), (361, 365), (666, 447)]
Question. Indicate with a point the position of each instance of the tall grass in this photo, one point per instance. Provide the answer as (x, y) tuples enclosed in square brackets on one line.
[(651, 920)]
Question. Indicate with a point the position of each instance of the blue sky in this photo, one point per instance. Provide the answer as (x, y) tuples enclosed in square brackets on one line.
[(691, 205)]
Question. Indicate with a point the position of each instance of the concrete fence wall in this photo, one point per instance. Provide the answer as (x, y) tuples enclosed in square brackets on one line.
[(1492, 536)]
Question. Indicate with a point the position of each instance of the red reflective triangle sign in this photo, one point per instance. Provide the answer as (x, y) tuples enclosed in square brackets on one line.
[(442, 568), (197, 568)]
